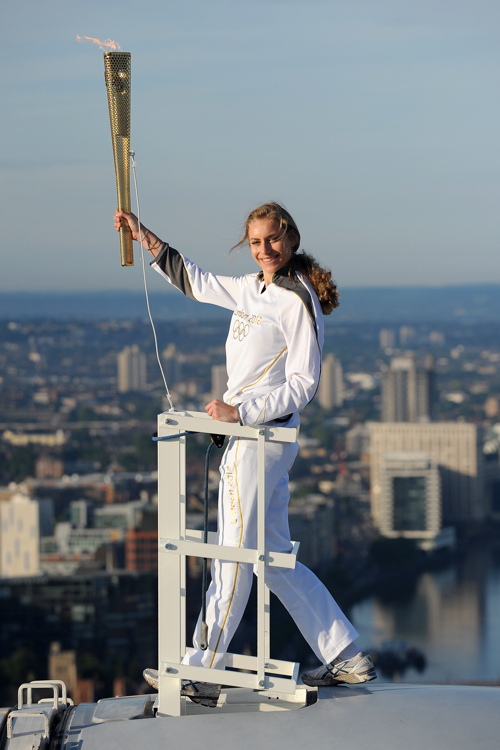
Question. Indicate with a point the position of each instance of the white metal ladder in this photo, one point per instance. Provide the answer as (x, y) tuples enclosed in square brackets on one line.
[(175, 542)]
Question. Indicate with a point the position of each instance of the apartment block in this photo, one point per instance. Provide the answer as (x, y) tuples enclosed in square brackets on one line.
[(453, 446)]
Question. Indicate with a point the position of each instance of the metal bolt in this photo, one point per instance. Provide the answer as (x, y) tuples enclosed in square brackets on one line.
[(262, 683), (168, 670), (167, 420), (168, 546), (262, 432), (262, 558), (267, 665)]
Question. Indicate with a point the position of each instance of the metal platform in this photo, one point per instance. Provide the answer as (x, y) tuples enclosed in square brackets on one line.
[(176, 541), (377, 716)]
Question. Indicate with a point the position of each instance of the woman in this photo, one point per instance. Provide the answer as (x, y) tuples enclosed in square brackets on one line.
[(273, 352)]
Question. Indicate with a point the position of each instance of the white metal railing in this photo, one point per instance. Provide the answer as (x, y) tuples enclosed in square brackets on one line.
[(175, 542)]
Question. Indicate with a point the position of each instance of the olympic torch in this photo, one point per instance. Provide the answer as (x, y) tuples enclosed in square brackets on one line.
[(117, 77)]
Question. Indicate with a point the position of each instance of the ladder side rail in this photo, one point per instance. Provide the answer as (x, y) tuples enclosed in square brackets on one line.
[(171, 568), (262, 590)]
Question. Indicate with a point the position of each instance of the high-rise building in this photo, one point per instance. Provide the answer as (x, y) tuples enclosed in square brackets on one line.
[(454, 446), (219, 381), (331, 387), (131, 369), (407, 390), (410, 495), (387, 338), (19, 537), (113, 615), (62, 666), (492, 406), (406, 335), (357, 440), (80, 513), (172, 360)]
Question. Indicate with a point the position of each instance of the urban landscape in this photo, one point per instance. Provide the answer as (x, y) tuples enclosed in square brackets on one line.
[(398, 473), (207, 521)]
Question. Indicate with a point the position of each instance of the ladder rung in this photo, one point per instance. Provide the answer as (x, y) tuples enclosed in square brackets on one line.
[(234, 554)]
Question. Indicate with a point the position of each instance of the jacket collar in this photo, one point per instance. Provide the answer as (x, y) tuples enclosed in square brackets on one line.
[(282, 273)]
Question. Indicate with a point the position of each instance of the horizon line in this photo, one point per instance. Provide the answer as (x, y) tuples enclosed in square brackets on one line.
[(115, 290)]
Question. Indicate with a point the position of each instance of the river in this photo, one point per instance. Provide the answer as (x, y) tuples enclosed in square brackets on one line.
[(452, 615)]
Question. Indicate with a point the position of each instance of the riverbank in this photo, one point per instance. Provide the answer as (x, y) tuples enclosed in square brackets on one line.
[(379, 580), (447, 609)]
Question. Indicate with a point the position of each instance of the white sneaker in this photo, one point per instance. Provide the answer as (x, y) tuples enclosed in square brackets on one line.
[(203, 693), (355, 670)]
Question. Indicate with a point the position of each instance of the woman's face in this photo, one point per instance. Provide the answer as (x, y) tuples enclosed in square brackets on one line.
[(269, 250)]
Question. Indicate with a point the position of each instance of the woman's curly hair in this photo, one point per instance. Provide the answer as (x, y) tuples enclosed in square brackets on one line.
[(320, 279), (304, 263)]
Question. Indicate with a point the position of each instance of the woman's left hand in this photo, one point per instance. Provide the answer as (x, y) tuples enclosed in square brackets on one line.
[(221, 411)]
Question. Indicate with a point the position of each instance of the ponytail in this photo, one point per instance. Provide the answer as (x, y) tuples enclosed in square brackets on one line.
[(320, 279)]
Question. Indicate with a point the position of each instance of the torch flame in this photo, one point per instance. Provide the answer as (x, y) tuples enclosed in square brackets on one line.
[(106, 44)]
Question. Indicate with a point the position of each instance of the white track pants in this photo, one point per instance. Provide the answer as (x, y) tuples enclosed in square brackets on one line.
[(317, 615)]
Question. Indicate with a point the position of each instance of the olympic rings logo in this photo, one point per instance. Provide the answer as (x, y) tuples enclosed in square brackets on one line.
[(240, 330)]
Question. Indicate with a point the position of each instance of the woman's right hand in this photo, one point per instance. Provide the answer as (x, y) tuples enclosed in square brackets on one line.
[(131, 222), (139, 232)]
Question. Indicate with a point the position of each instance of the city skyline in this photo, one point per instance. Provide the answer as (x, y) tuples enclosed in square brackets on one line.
[(80, 448), (376, 126)]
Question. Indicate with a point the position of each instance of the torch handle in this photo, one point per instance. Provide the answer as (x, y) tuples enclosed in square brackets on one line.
[(121, 151), (126, 250)]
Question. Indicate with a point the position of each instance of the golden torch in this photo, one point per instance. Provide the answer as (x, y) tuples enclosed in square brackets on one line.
[(117, 77)]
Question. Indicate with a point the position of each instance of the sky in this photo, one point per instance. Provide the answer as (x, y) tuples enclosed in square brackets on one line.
[(375, 122)]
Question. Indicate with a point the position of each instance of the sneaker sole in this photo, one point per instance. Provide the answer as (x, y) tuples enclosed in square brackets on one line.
[(207, 696), (355, 678), (207, 702), (150, 679), (210, 702)]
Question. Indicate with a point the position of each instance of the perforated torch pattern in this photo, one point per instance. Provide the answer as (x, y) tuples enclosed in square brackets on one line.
[(117, 75)]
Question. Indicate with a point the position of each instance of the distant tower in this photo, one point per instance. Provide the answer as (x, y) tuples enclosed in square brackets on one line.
[(131, 369), (387, 338), (219, 381), (492, 406), (407, 390), (426, 389), (406, 335), (19, 537), (173, 364), (331, 388)]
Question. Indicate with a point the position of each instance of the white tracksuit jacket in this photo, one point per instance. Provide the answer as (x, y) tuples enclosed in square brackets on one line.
[(273, 349), (273, 352)]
